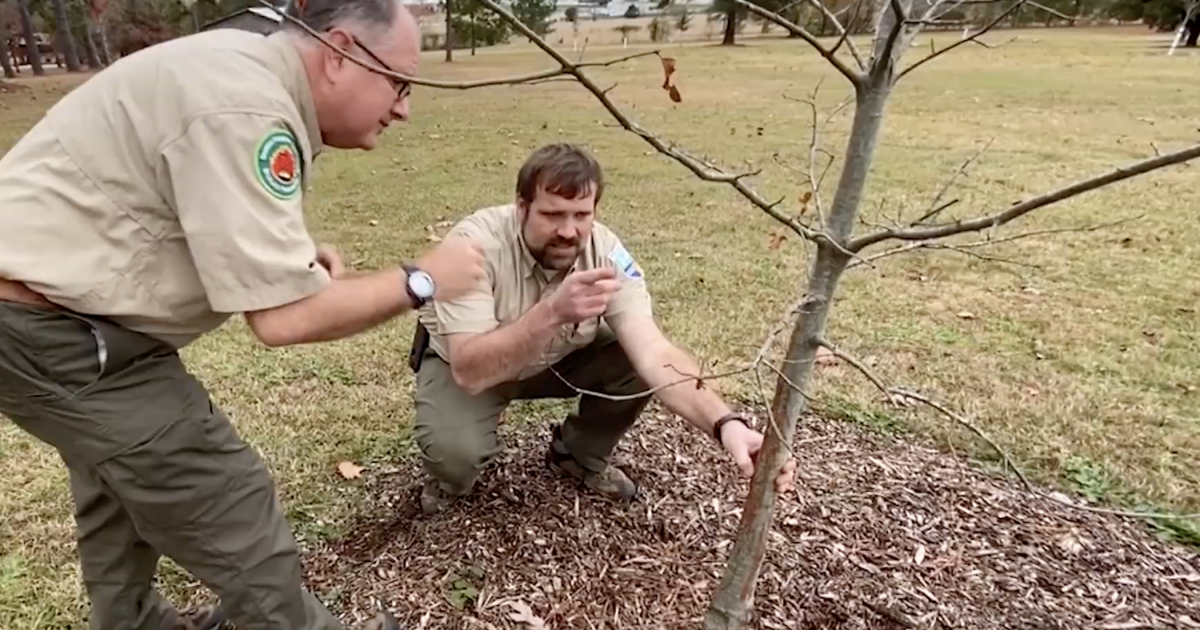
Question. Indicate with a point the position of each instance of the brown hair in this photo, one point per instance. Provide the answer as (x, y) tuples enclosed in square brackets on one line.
[(563, 169)]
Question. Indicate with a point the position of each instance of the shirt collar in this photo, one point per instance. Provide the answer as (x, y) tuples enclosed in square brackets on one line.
[(296, 80)]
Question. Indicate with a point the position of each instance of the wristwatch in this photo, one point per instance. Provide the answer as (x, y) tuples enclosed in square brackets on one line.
[(720, 424), (420, 286)]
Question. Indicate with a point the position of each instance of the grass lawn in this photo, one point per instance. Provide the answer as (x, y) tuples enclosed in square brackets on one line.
[(1081, 359)]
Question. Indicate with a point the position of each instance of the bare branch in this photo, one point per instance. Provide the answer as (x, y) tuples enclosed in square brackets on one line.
[(857, 365), (897, 395), (986, 27), (1029, 486), (987, 242), (934, 209), (1025, 207), (854, 76), (845, 30), (884, 57), (533, 77), (1038, 5)]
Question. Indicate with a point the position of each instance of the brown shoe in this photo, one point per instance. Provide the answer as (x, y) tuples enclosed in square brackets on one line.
[(612, 481), (381, 621), (201, 618), (433, 498)]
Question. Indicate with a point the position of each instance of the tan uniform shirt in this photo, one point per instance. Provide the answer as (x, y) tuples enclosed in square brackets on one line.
[(165, 192), (516, 282)]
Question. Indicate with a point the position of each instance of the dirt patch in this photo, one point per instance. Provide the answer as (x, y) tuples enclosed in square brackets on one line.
[(7, 87), (880, 533)]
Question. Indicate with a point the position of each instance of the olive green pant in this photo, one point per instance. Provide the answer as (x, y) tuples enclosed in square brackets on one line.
[(456, 432), (155, 468)]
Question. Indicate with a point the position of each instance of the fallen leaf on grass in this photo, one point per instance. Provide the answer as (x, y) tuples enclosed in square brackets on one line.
[(349, 470), (826, 357), (522, 613), (966, 315)]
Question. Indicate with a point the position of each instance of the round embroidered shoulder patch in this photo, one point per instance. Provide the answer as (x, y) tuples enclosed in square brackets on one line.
[(277, 164)]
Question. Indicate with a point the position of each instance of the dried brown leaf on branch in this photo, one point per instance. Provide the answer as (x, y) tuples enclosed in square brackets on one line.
[(675, 95), (668, 65)]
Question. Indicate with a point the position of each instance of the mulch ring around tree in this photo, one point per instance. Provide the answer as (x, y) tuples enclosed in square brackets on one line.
[(880, 532)]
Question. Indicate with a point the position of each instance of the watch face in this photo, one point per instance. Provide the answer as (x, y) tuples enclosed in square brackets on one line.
[(421, 284)]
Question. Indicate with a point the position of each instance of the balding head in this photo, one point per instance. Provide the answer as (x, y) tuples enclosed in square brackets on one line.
[(355, 104)]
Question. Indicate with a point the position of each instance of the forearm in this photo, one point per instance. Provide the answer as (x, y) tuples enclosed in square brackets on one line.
[(498, 356), (666, 364), (346, 307)]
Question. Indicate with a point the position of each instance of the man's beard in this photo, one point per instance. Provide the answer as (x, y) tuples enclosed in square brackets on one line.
[(557, 259)]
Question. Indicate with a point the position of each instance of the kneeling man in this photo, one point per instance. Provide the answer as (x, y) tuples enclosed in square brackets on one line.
[(564, 307)]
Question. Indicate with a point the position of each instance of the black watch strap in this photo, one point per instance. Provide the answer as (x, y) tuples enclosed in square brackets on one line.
[(417, 301), (720, 423)]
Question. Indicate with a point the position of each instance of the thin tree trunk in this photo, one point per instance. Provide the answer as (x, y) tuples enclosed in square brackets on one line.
[(730, 25), (31, 48), (449, 34), (101, 34), (66, 41), (733, 603), (9, 72), (1193, 32), (93, 57)]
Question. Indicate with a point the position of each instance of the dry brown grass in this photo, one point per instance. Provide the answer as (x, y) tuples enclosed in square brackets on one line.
[(1090, 381)]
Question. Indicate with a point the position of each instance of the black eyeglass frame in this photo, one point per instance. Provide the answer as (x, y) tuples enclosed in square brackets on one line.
[(403, 88)]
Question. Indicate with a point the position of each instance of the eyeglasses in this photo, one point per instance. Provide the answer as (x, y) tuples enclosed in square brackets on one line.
[(403, 88)]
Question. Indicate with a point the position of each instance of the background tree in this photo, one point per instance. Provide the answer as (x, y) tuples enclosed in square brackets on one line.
[(9, 25), (535, 13), (27, 31), (472, 23), (1162, 15), (64, 38)]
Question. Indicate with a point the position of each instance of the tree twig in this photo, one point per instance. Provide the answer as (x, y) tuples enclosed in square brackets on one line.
[(1029, 486), (934, 209), (1025, 207), (458, 85), (987, 242), (987, 27), (852, 75), (845, 30), (896, 395)]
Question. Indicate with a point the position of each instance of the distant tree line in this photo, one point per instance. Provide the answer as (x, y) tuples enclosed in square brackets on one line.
[(75, 34)]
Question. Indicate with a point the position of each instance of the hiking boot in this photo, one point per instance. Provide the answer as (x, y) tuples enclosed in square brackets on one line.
[(381, 621), (200, 618), (612, 481)]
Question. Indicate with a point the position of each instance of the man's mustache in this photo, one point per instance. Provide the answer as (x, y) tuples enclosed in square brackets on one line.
[(562, 242)]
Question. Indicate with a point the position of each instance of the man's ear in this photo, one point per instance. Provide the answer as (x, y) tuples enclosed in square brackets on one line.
[(334, 60)]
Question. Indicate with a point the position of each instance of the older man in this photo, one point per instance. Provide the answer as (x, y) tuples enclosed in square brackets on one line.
[(147, 207), (564, 308)]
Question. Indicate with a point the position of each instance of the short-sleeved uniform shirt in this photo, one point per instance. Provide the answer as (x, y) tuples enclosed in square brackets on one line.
[(515, 282), (165, 191)]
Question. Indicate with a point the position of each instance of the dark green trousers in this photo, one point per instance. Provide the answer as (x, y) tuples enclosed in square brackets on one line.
[(456, 432), (155, 468)]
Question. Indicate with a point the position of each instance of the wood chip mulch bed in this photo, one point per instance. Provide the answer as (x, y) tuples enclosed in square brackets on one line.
[(880, 532)]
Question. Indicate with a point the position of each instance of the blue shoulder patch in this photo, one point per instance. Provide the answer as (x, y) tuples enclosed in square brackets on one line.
[(625, 263)]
